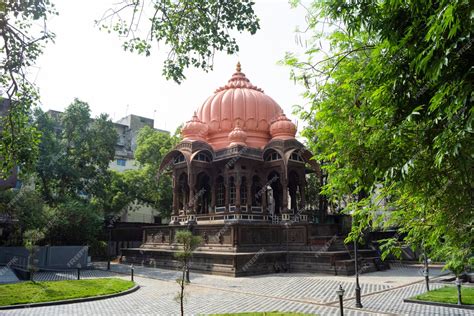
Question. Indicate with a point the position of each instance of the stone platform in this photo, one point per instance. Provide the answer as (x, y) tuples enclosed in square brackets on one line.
[(245, 248)]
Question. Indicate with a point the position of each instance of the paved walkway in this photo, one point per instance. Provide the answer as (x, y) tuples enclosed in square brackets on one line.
[(383, 294)]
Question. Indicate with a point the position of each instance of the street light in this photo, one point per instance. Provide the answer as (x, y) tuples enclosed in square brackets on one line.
[(109, 227), (287, 225), (358, 303), (340, 292)]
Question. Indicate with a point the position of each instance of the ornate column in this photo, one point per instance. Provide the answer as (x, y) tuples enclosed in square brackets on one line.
[(227, 192), (285, 214), (264, 200), (175, 196), (284, 206)]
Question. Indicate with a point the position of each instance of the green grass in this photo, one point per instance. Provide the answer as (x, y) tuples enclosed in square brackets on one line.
[(262, 314), (448, 294), (34, 292)]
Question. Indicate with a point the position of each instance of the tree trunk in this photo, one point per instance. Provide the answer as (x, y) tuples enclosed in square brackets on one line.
[(458, 287), (181, 296)]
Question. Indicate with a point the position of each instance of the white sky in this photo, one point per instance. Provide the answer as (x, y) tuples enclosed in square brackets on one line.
[(91, 65)]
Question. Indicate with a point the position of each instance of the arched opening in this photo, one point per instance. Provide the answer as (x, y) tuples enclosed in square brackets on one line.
[(203, 193), (183, 191), (179, 159), (272, 155), (274, 193), (203, 156)]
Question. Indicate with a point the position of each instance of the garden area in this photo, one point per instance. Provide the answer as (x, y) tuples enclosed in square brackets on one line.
[(48, 291)]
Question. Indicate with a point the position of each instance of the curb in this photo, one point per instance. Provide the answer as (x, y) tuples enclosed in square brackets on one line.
[(71, 301), (407, 300)]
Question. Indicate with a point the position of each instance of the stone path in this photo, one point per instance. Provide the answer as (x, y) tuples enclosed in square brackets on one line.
[(383, 294)]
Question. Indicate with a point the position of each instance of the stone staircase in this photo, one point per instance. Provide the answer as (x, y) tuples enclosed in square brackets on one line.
[(329, 254)]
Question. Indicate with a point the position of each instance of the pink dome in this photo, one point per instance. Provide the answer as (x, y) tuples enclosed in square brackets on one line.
[(237, 104), (283, 128), (194, 129)]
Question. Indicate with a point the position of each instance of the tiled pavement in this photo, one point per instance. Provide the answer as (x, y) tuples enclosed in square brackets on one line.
[(308, 293)]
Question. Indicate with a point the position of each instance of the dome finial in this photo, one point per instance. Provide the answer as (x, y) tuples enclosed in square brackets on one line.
[(238, 67)]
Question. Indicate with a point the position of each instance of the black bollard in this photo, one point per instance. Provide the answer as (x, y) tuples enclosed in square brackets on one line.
[(131, 272), (340, 293), (78, 273), (187, 275)]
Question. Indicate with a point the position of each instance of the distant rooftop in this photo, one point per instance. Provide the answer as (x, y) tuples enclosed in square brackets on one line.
[(130, 121)]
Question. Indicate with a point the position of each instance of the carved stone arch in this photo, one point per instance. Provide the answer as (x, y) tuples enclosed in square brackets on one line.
[(169, 158), (209, 152), (307, 157)]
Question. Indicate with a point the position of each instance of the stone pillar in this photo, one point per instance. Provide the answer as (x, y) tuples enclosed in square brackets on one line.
[(227, 193), (284, 206), (191, 202), (264, 201), (175, 197), (213, 197)]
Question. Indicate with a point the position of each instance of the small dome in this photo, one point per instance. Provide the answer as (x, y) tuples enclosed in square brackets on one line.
[(237, 137), (282, 128), (194, 129)]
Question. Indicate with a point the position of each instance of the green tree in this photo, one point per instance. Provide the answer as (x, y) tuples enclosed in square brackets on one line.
[(391, 116), (192, 30), (28, 208), (23, 33), (145, 185), (72, 172), (188, 243), (75, 153)]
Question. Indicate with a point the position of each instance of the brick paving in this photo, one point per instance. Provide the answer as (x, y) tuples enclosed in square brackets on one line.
[(308, 293)]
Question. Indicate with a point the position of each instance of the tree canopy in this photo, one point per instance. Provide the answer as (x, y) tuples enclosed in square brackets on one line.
[(21, 42), (390, 114), (191, 31)]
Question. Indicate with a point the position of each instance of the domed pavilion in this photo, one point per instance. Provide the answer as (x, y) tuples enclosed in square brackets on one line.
[(238, 160), (239, 183)]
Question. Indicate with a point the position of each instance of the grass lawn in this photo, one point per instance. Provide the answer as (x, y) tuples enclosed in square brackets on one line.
[(29, 292), (448, 294), (262, 314)]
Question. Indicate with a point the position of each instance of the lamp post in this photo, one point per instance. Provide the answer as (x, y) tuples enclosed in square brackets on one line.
[(340, 292), (109, 227), (358, 303)]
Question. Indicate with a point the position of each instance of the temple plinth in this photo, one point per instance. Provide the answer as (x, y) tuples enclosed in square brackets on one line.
[(239, 180)]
